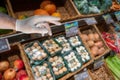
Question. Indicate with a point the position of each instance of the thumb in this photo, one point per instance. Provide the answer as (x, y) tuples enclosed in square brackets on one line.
[(45, 28)]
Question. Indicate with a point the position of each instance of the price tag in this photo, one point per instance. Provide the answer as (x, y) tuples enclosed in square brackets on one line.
[(82, 76), (90, 21), (71, 29), (4, 45), (108, 19), (98, 63), (117, 15)]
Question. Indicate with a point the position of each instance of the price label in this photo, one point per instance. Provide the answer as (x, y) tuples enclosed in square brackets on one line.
[(108, 19), (71, 29), (117, 15), (90, 21), (82, 76), (4, 45), (98, 63)]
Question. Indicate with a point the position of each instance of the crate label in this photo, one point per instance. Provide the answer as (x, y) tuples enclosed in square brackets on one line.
[(90, 21), (71, 28), (82, 76), (117, 15), (108, 19), (4, 45), (98, 63)]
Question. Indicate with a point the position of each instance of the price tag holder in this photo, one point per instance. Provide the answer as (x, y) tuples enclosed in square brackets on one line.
[(117, 15), (90, 21), (108, 19), (71, 28), (4, 45), (98, 63), (82, 76)]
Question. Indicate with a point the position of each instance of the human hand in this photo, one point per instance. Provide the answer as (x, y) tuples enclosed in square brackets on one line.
[(37, 24)]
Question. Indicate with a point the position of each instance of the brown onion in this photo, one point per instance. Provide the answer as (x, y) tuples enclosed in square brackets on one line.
[(4, 65), (84, 37), (99, 44), (97, 37), (101, 50), (94, 50), (90, 43), (91, 36)]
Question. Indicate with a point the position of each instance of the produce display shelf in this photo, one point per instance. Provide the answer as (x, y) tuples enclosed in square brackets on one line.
[(21, 37)]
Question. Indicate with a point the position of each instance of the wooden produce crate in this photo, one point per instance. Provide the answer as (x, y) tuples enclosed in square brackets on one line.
[(103, 68), (67, 75), (83, 15), (13, 54), (93, 29), (115, 5), (21, 7)]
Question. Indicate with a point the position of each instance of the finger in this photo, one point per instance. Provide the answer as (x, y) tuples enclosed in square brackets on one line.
[(54, 22), (44, 27), (47, 18), (38, 19)]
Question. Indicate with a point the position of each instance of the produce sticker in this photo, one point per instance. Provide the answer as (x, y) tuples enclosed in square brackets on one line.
[(71, 28), (4, 45)]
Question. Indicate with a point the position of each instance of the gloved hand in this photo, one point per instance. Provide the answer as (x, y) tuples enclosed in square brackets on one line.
[(37, 24)]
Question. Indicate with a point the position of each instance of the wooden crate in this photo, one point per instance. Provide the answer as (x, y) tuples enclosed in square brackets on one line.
[(94, 28), (21, 7), (82, 15), (67, 75), (106, 69), (16, 53)]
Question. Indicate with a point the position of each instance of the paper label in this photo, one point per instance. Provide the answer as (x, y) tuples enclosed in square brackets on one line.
[(90, 21), (98, 63), (82, 76), (71, 29), (4, 45)]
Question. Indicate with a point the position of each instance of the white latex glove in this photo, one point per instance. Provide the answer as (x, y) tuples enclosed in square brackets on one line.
[(37, 24)]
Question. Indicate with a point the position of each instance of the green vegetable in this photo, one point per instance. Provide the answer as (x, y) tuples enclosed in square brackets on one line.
[(3, 10), (113, 63)]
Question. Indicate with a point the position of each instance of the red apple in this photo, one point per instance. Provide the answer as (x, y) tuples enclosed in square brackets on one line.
[(20, 73), (9, 74), (18, 64), (0, 76), (24, 77)]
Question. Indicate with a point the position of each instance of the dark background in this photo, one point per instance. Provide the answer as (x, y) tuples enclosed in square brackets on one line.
[(2, 3)]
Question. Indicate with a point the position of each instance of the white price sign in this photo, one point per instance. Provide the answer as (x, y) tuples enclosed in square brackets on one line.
[(90, 21)]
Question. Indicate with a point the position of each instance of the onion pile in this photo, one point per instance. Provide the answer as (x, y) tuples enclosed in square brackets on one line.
[(94, 42)]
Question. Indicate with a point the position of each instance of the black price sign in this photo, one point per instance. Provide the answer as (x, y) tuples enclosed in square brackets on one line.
[(82, 76), (71, 28), (117, 15), (108, 19), (98, 63), (4, 45)]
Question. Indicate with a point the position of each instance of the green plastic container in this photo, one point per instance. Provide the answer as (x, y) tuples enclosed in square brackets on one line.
[(36, 62), (55, 52), (61, 75), (44, 71), (86, 60), (78, 58), (63, 42)]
